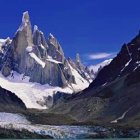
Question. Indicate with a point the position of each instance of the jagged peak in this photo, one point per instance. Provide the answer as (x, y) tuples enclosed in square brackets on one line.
[(51, 35), (8, 40), (25, 18), (41, 32), (25, 21), (35, 28)]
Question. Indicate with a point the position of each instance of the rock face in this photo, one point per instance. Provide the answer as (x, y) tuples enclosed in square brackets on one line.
[(55, 50), (43, 60), (127, 61), (40, 42), (113, 97), (21, 41), (84, 71)]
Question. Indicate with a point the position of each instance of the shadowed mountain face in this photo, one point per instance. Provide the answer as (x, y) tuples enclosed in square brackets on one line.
[(9, 102), (113, 97), (127, 61)]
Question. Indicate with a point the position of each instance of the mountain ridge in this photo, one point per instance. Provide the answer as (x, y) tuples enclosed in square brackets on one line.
[(27, 51), (112, 98), (32, 59)]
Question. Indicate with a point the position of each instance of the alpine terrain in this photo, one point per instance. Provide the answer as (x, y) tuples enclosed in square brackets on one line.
[(113, 96), (34, 67), (43, 94)]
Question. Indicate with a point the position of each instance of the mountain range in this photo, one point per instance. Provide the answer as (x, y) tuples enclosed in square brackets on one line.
[(113, 96), (31, 58), (37, 80)]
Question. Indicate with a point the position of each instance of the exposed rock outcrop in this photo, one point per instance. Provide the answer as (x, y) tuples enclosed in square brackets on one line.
[(55, 50), (43, 60)]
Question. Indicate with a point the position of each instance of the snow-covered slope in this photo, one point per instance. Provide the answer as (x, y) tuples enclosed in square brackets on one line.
[(34, 94), (4, 41), (13, 118), (81, 83), (34, 67), (19, 122), (96, 67)]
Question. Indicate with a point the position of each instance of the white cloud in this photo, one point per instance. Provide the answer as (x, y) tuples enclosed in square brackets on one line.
[(101, 55)]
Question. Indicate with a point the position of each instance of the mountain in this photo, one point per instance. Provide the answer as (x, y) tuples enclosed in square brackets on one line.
[(126, 61), (113, 96), (35, 74), (97, 68), (30, 58)]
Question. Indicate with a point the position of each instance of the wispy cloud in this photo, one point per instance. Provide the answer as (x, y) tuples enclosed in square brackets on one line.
[(100, 55)]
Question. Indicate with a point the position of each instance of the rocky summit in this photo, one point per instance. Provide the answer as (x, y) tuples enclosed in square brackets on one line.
[(42, 59)]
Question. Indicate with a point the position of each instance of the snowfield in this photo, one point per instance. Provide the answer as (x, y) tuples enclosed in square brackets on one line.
[(96, 67), (19, 122), (81, 83), (13, 118), (34, 94)]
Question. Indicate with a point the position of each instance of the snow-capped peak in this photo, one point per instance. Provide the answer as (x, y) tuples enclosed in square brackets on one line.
[(25, 21), (3, 41), (51, 35), (35, 28), (43, 61), (25, 17), (96, 67)]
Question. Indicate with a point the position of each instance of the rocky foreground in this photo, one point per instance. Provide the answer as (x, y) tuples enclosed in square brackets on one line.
[(112, 99), (24, 134)]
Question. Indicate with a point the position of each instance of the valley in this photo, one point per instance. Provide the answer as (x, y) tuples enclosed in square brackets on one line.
[(43, 94)]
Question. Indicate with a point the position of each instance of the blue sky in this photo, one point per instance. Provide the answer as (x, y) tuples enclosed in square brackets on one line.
[(94, 28)]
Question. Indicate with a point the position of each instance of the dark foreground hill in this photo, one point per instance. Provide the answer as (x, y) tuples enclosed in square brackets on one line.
[(9, 102), (113, 97)]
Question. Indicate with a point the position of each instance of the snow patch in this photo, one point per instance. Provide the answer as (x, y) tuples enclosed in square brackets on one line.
[(126, 65), (35, 28), (42, 47), (25, 17), (128, 51), (51, 35), (95, 68), (121, 117), (29, 49), (3, 41), (39, 61), (32, 94), (13, 118), (81, 83), (50, 59)]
